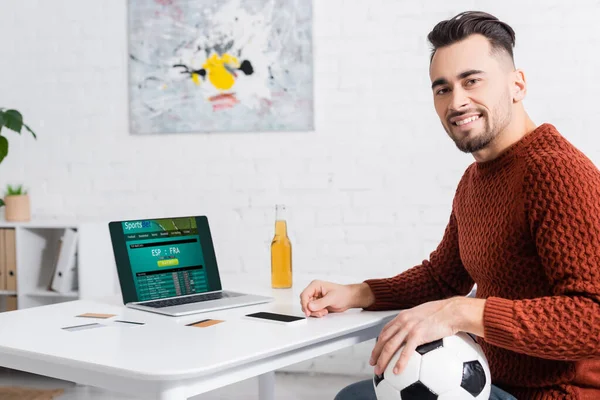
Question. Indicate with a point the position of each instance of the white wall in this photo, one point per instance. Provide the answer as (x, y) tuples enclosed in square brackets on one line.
[(369, 190)]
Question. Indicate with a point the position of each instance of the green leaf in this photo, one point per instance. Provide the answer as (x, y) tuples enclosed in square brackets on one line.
[(14, 190), (1, 203), (1, 119), (13, 120), (3, 148), (29, 129)]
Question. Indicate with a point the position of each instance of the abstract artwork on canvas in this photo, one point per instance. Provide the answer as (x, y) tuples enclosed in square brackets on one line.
[(220, 65)]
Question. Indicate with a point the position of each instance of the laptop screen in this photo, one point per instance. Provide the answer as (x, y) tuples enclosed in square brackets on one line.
[(161, 258)]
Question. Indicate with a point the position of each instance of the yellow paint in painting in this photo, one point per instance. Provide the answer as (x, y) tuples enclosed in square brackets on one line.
[(196, 78), (218, 75)]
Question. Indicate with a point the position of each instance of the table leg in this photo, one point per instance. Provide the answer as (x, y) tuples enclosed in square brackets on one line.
[(266, 386), (176, 393)]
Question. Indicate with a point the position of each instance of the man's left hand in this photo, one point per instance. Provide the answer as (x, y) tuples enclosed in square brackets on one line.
[(423, 324)]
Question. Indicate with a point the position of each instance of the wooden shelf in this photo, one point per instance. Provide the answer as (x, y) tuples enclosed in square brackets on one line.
[(7, 292), (49, 293)]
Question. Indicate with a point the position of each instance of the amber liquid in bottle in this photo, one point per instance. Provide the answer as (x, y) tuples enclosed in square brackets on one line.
[(281, 253)]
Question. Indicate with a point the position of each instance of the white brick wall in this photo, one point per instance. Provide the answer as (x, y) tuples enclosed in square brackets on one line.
[(370, 188)]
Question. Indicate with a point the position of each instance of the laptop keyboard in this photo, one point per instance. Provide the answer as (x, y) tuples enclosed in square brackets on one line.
[(190, 299)]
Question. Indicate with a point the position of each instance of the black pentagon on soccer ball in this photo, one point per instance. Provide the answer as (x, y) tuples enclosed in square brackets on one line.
[(417, 391), (473, 379), (377, 379), (427, 347)]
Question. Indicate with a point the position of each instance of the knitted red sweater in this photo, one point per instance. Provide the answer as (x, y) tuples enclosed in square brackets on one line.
[(526, 228)]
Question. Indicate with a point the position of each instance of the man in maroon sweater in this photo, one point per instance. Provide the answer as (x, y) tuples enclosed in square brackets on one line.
[(524, 227)]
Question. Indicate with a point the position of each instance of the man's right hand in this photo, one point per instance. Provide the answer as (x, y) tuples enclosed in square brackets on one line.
[(321, 297)]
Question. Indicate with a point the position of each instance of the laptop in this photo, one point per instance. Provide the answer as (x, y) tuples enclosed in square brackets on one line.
[(168, 266)]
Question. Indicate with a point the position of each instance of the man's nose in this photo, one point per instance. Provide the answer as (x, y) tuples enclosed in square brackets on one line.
[(459, 101)]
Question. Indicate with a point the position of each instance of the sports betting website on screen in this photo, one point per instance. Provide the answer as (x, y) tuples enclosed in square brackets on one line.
[(165, 257)]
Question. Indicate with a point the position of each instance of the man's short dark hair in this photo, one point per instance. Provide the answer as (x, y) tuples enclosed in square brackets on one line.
[(500, 35)]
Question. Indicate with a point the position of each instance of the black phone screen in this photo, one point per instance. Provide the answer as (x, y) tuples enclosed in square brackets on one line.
[(275, 317)]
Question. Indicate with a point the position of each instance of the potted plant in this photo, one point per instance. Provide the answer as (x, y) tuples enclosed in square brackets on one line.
[(17, 199)]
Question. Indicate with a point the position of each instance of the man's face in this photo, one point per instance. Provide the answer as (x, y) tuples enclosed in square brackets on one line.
[(471, 92)]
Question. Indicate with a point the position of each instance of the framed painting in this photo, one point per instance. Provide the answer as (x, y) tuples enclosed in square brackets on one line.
[(220, 65)]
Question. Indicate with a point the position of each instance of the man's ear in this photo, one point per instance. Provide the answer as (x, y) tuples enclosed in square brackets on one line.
[(519, 86)]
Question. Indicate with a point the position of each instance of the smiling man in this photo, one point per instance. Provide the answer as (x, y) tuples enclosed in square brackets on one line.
[(524, 227), (477, 91)]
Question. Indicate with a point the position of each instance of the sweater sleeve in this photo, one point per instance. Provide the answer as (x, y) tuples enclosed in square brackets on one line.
[(442, 276), (563, 206)]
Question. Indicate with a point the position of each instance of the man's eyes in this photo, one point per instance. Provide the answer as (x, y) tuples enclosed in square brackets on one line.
[(469, 82)]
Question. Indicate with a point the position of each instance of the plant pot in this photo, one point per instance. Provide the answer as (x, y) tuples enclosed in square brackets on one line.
[(18, 208)]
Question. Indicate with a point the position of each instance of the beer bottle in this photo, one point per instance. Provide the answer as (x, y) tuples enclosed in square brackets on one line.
[(281, 252)]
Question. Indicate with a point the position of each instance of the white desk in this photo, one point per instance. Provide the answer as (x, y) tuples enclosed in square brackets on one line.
[(166, 360)]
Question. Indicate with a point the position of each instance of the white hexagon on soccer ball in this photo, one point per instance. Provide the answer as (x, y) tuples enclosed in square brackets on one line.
[(385, 391), (458, 394), (464, 346), (441, 370), (408, 376)]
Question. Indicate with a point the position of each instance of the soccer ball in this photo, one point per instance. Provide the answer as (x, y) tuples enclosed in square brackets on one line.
[(450, 368)]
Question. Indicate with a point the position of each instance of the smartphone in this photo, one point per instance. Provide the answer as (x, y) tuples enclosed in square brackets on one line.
[(282, 319)]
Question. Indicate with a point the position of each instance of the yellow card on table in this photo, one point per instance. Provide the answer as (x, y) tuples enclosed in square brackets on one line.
[(94, 315), (205, 323)]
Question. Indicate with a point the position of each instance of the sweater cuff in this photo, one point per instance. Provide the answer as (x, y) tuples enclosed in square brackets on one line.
[(384, 297), (498, 322)]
